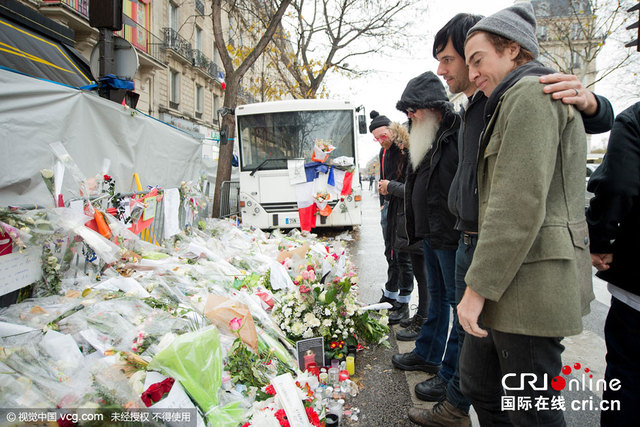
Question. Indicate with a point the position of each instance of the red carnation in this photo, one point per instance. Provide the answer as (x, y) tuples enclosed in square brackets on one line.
[(282, 418), (270, 390), (313, 416)]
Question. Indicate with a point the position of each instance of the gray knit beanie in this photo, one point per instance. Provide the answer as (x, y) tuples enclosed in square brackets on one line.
[(517, 23)]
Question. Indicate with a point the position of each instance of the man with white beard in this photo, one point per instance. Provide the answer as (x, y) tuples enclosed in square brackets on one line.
[(433, 155)]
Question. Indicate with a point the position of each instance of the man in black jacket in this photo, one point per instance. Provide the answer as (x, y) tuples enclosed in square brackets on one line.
[(399, 285), (448, 49), (433, 157), (614, 228)]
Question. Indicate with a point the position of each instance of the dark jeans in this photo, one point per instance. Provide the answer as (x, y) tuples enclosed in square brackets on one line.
[(399, 283), (434, 336), (622, 334), (484, 362), (420, 273), (464, 255)]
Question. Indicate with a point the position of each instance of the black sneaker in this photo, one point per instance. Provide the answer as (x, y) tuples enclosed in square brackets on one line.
[(412, 331), (412, 362), (432, 390)]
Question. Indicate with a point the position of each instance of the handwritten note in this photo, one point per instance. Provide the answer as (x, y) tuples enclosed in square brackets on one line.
[(18, 270), (296, 171)]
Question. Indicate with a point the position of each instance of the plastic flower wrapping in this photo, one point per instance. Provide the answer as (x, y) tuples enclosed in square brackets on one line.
[(212, 312)]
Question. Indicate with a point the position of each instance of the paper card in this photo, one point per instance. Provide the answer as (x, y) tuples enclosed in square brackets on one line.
[(288, 395), (309, 351), (297, 174), (18, 270), (150, 210)]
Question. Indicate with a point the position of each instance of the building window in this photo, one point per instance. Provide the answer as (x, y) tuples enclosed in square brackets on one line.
[(174, 87), (216, 106), (199, 100), (199, 38), (542, 33), (576, 61), (174, 16), (576, 32)]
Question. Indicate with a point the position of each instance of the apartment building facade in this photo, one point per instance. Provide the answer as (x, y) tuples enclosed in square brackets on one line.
[(179, 79)]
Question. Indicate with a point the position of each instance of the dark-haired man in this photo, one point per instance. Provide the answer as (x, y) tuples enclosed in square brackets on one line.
[(448, 48)]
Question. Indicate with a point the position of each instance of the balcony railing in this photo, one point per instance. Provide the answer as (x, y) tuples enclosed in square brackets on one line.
[(174, 41), (80, 6), (200, 60), (200, 7), (144, 40)]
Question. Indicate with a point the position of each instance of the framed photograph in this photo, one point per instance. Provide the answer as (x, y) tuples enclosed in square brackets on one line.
[(310, 350)]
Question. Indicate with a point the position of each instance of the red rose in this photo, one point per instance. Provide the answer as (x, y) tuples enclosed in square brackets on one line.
[(309, 267), (107, 178), (270, 390), (247, 424), (156, 391)]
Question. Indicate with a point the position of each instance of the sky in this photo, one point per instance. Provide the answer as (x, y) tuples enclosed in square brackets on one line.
[(381, 88)]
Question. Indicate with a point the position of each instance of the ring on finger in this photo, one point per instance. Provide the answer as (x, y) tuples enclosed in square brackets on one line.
[(576, 91)]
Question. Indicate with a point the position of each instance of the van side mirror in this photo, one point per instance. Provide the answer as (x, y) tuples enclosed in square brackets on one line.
[(362, 124)]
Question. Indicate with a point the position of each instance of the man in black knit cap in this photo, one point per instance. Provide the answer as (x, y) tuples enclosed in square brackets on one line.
[(397, 289)]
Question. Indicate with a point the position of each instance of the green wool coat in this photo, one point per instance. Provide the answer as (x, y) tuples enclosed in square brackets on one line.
[(532, 261)]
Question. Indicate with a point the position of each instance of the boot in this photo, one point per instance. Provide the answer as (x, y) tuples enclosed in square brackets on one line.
[(393, 302), (402, 312), (443, 414), (412, 331), (406, 322)]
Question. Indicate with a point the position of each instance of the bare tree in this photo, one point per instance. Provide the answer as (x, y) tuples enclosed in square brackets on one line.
[(237, 66), (319, 36), (573, 33)]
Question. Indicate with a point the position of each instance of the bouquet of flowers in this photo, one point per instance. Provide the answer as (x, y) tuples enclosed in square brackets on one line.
[(322, 202), (315, 309), (321, 150)]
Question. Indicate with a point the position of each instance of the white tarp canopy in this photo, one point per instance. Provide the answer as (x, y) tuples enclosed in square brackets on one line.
[(35, 113)]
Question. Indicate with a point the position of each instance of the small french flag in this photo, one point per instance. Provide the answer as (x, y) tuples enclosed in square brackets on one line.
[(221, 80)]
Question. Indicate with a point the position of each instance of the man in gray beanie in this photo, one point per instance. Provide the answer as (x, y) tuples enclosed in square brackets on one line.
[(529, 282)]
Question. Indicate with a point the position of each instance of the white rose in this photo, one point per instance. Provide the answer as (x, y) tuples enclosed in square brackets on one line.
[(297, 328)]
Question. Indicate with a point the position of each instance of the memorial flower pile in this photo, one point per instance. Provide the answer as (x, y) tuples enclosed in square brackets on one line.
[(124, 323)]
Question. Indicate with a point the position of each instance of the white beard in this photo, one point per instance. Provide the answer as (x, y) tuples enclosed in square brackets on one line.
[(421, 138)]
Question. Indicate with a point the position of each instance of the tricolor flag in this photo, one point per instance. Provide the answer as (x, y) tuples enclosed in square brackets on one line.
[(221, 80), (321, 179)]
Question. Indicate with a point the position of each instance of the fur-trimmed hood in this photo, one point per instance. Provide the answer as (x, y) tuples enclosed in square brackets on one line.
[(400, 134)]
